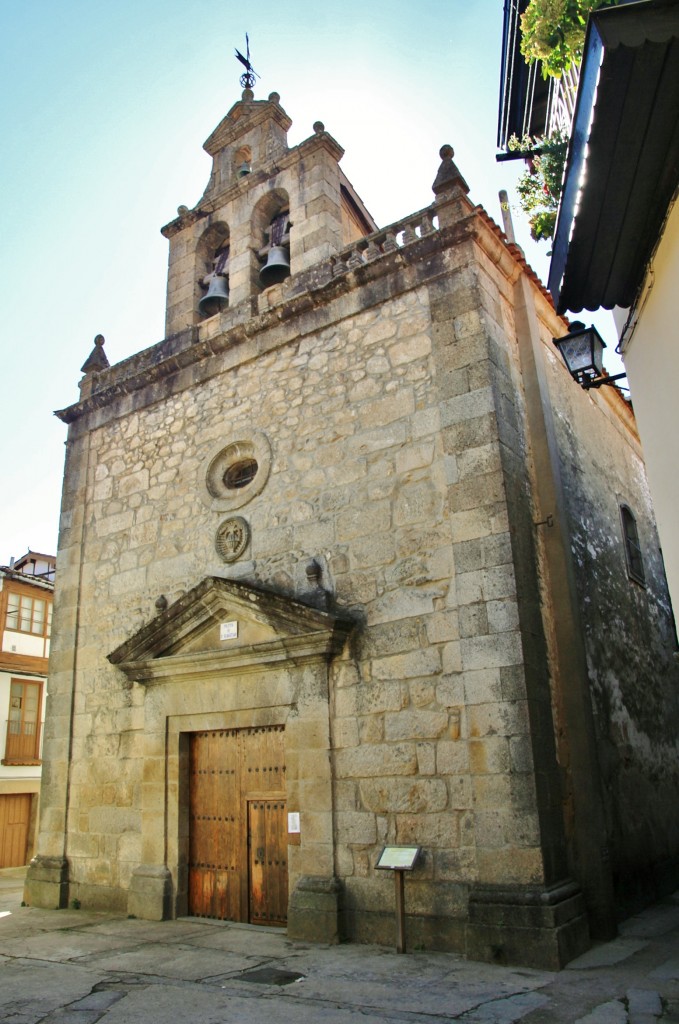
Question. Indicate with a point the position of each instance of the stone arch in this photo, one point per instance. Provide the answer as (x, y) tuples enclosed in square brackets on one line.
[(274, 204), (242, 162), (212, 256)]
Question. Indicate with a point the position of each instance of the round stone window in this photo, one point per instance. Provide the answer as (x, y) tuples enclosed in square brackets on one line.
[(240, 474), (234, 473)]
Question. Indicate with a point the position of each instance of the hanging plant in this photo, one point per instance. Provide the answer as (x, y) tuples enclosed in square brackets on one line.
[(553, 31), (539, 187)]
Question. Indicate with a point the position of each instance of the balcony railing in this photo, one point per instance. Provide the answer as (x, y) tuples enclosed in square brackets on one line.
[(562, 101), (22, 743)]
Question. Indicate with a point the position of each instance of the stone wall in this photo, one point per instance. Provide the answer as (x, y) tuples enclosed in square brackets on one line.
[(630, 638), (392, 395), (386, 469)]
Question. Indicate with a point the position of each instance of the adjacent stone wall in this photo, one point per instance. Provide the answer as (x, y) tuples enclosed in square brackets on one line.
[(630, 637)]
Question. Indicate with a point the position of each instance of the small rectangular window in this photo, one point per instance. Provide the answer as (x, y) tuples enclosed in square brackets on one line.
[(635, 562)]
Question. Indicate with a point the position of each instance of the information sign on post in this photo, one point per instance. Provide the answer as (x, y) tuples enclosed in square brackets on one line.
[(399, 859)]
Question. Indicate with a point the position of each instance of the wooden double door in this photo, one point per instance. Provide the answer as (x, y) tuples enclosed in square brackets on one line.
[(238, 864)]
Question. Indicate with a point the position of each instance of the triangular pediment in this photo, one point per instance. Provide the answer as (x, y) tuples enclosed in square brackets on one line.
[(243, 117), (221, 622)]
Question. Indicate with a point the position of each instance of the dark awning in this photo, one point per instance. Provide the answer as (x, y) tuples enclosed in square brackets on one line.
[(620, 183)]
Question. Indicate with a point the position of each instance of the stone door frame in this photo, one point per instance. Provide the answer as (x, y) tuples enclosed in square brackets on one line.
[(179, 732), (193, 685)]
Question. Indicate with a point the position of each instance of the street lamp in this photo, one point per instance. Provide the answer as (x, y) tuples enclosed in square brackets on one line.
[(582, 350)]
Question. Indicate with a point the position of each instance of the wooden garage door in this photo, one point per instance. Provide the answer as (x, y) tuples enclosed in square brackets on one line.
[(238, 825), (15, 815)]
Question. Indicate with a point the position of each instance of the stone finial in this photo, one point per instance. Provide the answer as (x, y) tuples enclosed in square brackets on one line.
[(319, 127), (274, 97), (448, 176), (96, 360), (182, 210), (316, 596), (247, 95)]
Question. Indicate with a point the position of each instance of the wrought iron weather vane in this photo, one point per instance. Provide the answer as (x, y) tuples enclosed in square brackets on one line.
[(247, 79)]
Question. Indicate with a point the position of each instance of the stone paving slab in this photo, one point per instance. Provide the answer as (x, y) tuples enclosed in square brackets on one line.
[(505, 1011), (75, 967), (613, 1012), (31, 989), (425, 982), (182, 962), (667, 970), (606, 954), (664, 919)]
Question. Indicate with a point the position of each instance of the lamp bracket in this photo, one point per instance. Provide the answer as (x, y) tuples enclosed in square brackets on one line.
[(549, 521), (599, 381)]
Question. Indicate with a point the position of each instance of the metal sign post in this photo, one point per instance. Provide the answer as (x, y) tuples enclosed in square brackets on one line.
[(399, 859)]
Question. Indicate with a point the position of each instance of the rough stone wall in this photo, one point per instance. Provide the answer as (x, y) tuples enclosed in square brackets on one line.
[(535, 680), (402, 462), (630, 637), (387, 469)]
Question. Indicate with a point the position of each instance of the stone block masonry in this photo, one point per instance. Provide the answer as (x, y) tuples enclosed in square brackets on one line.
[(393, 610)]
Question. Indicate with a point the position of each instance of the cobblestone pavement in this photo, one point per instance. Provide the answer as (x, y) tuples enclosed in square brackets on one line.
[(68, 966)]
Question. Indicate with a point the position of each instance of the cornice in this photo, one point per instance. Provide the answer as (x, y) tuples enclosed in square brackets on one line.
[(296, 650), (301, 294)]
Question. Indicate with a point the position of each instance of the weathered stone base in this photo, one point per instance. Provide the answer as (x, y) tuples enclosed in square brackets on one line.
[(447, 934), (107, 898), (150, 895), (543, 928), (47, 883), (313, 910)]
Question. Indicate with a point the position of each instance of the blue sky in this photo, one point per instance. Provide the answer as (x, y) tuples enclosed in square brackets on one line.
[(105, 109)]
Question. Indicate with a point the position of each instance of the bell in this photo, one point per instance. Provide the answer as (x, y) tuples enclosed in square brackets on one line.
[(244, 169), (277, 267), (216, 298)]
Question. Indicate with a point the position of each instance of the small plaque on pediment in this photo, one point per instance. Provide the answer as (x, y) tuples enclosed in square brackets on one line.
[(228, 630)]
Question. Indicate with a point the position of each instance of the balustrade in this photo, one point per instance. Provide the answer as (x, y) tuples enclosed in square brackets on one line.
[(390, 239)]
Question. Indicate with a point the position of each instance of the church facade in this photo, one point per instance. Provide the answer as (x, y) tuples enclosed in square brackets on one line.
[(342, 565)]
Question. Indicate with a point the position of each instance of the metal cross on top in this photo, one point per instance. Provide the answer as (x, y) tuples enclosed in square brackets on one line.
[(247, 80)]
